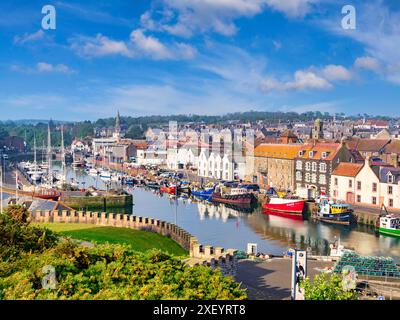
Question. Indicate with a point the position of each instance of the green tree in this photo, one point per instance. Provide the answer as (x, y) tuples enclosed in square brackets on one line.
[(324, 288)]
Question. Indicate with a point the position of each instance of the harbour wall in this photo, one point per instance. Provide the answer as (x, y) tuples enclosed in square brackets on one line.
[(96, 202), (214, 257)]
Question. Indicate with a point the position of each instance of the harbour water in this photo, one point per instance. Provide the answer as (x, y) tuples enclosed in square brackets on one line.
[(219, 225)]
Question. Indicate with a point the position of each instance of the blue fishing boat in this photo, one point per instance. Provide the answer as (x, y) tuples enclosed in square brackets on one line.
[(333, 212), (203, 193)]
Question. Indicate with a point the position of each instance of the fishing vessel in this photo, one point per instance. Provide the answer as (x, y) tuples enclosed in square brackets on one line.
[(390, 225), (332, 212), (207, 192), (238, 196), (168, 189), (283, 204)]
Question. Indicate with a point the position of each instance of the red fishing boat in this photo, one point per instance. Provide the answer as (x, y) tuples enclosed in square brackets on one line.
[(46, 194), (236, 196), (169, 190), (285, 206)]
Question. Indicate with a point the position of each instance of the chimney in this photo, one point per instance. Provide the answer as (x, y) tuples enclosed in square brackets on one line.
[(395, 160), (368, 161)]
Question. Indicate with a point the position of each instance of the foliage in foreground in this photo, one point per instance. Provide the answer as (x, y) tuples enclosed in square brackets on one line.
[(323, 288), (101, 272)]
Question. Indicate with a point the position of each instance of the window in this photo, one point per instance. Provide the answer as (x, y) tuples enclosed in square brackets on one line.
[(390, 190), (335, 193), (350, 183), (373, 200), (322, 167), (358, 198), (374, 187), (308, 177), (299, 165), (358, 185), (322, 179), (336, 181), (390, 178), (314, 178), (299, 176), (311, 154), (324, 155), (308, 166), (301, 153), (390, 202), (314, 166)]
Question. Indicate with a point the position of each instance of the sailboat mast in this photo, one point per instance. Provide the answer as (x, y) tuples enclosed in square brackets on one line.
[(49, 153), (62, 152)]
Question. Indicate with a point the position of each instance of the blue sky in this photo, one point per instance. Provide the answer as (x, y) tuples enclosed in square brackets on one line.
[(197, 56)]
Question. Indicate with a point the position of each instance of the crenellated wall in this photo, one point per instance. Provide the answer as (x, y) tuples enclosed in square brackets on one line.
[(203, 255)]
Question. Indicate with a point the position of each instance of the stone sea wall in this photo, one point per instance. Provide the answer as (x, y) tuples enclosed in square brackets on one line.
[(199, 255)]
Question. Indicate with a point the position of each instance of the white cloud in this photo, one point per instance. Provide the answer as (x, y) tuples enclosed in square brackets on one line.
[(368, 63), (43, 67), (149, 45), (187, 17), (336, 72), (292, 8), (99, 46), (138, 46), (47, 67), (29, 37), (303, 79)]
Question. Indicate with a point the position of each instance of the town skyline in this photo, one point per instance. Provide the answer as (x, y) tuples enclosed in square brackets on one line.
[(168, 57)]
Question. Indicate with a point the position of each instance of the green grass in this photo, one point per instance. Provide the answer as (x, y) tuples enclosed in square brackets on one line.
[(137, 239)]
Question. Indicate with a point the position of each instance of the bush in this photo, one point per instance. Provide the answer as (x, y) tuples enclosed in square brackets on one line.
[(323, 288)]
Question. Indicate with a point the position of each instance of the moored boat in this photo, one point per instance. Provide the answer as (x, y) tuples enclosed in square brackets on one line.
[(46, 194), (331, 212), (390, 225), (207, 192), (168, 189), (285, 206), (236, 196)]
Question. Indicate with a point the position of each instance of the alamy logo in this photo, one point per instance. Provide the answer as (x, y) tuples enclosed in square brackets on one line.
[(49, 20), (49, 281), (349, 20)]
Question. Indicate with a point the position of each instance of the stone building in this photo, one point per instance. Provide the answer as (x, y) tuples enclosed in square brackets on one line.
[(315, 163), (274, 165)]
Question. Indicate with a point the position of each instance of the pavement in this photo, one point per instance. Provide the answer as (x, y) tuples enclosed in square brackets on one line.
[(271, 279)]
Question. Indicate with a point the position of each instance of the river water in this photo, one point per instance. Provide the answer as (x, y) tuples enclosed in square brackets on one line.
[(218, 225)]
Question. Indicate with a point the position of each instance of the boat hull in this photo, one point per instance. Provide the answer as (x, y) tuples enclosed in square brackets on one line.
[(390, 232), (287, 207), (338, 218), (293, 216), (169, 190), (235, 199)]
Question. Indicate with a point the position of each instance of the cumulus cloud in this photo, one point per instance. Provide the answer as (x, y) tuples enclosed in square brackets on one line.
[(303, 79), (336, 72), (29, 37), (187, 17), (43, 67), (139, 45), (99, 46), (368, 63)]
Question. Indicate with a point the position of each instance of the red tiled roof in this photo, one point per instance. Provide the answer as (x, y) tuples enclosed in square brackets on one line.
[(348, 169), (318, 149)]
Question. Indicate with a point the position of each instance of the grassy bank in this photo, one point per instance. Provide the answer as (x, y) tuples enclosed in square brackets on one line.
[(139, 240)]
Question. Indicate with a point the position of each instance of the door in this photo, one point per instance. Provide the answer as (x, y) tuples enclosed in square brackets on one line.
[(350, 198)]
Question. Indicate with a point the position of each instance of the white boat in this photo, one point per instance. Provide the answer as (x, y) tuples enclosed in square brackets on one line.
[(105, 174), (93, 172)]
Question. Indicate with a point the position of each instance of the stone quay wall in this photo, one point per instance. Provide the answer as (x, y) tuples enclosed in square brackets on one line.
[(199, 255)]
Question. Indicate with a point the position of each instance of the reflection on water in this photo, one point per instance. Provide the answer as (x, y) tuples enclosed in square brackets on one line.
[(230, 227), (224, 226)]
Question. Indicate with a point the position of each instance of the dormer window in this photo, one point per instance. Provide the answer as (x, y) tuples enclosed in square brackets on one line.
[(324, 154), (311, 154), (301, 153), (390, 178)]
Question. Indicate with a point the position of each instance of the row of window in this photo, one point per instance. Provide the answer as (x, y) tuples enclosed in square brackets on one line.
[(311, 177), (374, 186), (311, 166), (373, 199)]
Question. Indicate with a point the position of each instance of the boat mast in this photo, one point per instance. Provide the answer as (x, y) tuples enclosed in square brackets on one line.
[(49, 154), (34, 149), (62, 153)]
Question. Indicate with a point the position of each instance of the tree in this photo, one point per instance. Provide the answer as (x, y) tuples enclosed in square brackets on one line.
[(323, 288)]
